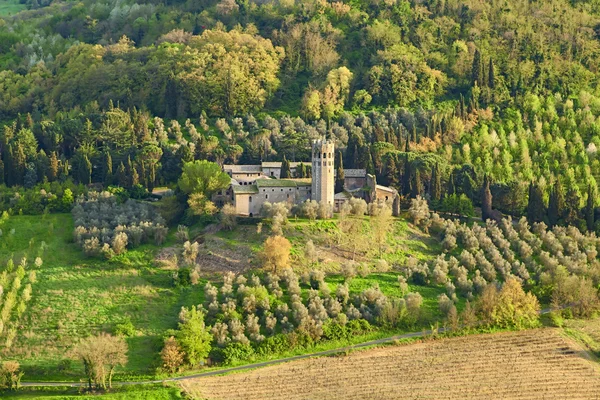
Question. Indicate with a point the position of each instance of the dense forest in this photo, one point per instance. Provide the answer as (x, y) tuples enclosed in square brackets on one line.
[(436, 98)]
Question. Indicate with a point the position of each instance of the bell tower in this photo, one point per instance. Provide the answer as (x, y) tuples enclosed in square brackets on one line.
[(323, 177)]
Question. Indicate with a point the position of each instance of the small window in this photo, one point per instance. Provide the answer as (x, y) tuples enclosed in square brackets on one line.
[(250, 199), (324, 155), (272, 190), (288, 196), (266, 196), (282, 190), (290, 189), (324, 163), (272, 173)]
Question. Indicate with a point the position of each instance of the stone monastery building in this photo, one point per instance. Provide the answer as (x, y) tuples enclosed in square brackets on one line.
[(254, 185)]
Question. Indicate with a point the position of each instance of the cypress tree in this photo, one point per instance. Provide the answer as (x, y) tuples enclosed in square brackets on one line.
[(572, 201), (129, 171), (406, 176), (486, 199), (302, 170), (1, 172), (536, 209), (65, 170), (451, 185), (108, 169), (135, 177), (53, 167), (122, 175), (285, 169), (85, 170), (556, 204), (477, 70), (491, 75), (339, 174), (589, 209), (355, 157), (436, 184), (391, 172), (151, 177), (417, 185)]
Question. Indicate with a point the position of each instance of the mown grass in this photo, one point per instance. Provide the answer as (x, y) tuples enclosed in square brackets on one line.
[(141, 392), (75, 296), (10, 7)]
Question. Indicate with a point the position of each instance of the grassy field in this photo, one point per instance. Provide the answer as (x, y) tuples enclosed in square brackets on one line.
[(75, 296), (10, 7), (512, 365), (143, 392)]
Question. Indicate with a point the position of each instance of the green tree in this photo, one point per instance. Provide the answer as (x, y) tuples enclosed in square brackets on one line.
[(285, 169), (194, 337), (108, 169), (486, 199), (339, 173), (589, 209), (536, 210), (556, 203)]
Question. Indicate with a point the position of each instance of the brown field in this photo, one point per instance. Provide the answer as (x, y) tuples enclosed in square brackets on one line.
[(535, 364)]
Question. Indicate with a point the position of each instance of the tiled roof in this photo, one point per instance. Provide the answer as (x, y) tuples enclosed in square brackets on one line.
[(386, 189), (275, 183), (249, 189), (242, 168), (277, 164), (355, 173)]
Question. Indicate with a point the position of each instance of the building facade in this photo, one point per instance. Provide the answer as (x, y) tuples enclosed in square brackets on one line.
[(254, 185), (323, 166)]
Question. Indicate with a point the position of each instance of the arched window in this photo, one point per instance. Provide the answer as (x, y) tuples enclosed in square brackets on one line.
[(324, 155)]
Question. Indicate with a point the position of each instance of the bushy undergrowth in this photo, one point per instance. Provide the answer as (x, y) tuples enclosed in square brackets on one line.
[(105, 226)]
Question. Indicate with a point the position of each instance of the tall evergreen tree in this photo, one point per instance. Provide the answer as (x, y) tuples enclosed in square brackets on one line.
[(589, 209), (486, 199), (122, 178), (85, 170), (556, 204), (477, 70), (436, 184), (339, 173), (391, 172), (572, 201), (406, 176), (536, 210), (2, 181), (285, 169), (301, 171), (416, 184), (451, 185), (53, 166), (491, 75), (108, 169)]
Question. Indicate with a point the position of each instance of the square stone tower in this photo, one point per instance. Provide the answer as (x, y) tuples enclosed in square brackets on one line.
[(323, 167)]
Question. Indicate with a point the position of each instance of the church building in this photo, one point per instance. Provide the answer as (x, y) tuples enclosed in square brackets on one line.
[(254, 185)]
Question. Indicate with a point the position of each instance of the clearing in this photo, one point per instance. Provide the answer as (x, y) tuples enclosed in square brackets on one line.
[(530, 364)]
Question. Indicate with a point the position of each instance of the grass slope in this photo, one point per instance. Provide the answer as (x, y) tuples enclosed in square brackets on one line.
[(10, 7), (75, 296)]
